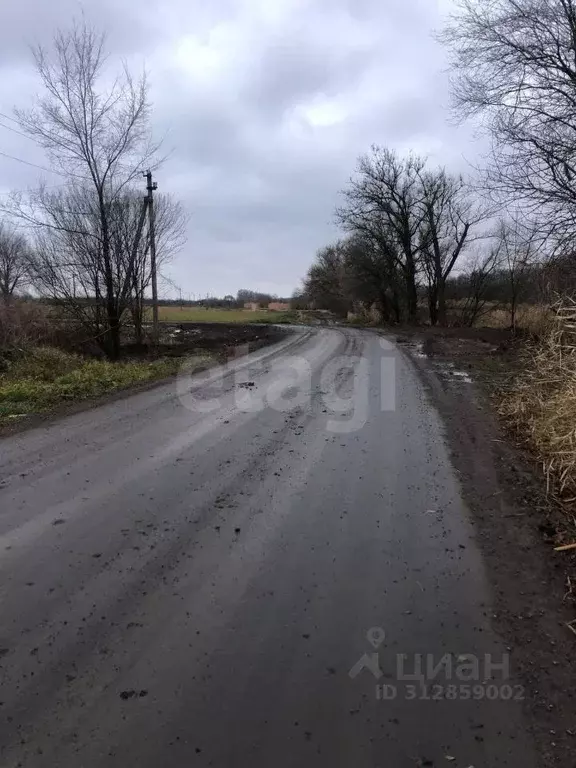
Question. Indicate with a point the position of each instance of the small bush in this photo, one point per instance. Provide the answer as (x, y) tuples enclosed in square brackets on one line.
[(22, 322), (42, 364)]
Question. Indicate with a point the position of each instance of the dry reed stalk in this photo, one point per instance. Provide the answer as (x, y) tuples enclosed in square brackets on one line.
[(540, 403)]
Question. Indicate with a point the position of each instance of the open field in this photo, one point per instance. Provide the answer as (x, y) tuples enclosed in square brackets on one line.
[(176, 314)]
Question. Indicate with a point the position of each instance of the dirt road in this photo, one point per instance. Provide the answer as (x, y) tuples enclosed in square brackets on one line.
[(248, 569)]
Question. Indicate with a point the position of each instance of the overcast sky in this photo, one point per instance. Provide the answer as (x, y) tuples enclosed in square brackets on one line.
[(265, 106)]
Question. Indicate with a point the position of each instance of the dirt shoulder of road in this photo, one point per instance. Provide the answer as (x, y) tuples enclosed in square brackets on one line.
[(210, 344), (516, 523)]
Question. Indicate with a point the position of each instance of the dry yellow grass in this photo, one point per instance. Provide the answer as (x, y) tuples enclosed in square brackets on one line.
[(540, 404), (536, 319)]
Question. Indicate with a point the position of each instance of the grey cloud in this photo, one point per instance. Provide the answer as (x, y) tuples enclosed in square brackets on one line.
[(290, 70), (265, 107), (29, 22)]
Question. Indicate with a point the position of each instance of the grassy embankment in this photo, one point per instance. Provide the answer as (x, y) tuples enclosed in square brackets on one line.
[(36, 378), (43, 378)]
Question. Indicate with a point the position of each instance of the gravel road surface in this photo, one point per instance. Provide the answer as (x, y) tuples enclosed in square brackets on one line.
[(248, 568)]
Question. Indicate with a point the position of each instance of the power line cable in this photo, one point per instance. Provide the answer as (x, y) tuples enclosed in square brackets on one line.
[(8, 128), (35, 189), (43, 168), (26, 162), (13, 119)]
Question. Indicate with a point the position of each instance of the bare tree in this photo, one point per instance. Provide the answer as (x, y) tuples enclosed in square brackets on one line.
[(476, 280), (325, 283), (382, 202), (372, 275), (558, 277), (515, 68), (519, 247), (14, 260), (299, 299), (449, 217), (67, 265), (170, 222), (96, 134), (416, 221)]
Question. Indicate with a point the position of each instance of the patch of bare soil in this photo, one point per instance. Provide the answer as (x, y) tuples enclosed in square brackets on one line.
[(223, 341), (517, 526)]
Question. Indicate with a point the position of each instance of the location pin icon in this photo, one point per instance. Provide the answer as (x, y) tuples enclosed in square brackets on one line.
[(376, 636)]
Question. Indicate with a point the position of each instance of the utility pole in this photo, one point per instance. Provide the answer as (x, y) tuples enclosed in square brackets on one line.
[(151, 186)]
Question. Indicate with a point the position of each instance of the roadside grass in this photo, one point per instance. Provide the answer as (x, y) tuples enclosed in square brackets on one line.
[(539, 403), (176, 314), (535, 319), (43, 377)]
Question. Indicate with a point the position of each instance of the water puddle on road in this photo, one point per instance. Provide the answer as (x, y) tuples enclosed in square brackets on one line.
[(448, 370), (444, 368)]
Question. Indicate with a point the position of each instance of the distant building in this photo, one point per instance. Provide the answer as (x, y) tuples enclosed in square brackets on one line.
[(253, 306), (278, 306)]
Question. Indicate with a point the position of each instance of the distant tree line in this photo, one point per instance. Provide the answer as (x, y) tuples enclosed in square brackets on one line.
[(407, 228), (496, 264)]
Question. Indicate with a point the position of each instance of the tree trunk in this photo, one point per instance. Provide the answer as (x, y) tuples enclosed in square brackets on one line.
[(441, 303), (396, 306), (513, 315), (472, 311), (384, 307), (513, 301), (411, 294), (113, 321), (137, 321), (112, 333), (433, 304)]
